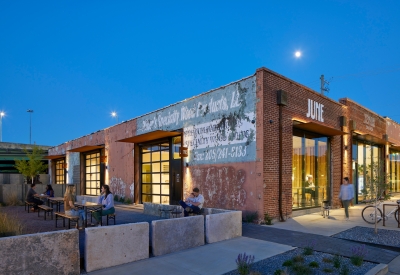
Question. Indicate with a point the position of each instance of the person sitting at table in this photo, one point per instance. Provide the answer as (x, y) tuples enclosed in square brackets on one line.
[(49, 191), (71, 209), (30, 197), (107, 200), (193, 203), (310, 188)]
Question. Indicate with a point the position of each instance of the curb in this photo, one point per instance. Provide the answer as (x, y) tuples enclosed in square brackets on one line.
[(380, 269)]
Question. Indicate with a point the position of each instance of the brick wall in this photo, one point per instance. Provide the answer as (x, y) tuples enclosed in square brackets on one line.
[(296, 109)]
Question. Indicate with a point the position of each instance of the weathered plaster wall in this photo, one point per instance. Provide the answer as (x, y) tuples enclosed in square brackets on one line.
[(218, 126), (227, 186)]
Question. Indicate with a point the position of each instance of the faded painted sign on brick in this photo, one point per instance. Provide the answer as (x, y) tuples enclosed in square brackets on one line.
[(218, 126)]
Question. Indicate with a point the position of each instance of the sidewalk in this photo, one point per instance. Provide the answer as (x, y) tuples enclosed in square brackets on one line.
[(216, 258), (264, 242)]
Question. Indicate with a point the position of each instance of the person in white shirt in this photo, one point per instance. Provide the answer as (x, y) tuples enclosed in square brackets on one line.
[(107, 200), (346, 195), (193, 203)]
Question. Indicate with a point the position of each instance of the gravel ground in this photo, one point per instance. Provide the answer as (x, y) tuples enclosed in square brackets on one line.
[(367, 235), (270, 265)]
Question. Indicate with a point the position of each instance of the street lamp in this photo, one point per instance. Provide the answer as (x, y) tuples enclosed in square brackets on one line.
[(30, 125), (114, 114), (1, 125)]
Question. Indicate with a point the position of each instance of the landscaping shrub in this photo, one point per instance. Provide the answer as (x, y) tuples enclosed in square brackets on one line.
[(298, 258), (267, 219), (326, 260), (301, 269), (9, 226), (12, 199), (337, 260), (251, 217), (128, 201), (287, 263), (313, 264), (309, 248), (244, 263), (358, 254)]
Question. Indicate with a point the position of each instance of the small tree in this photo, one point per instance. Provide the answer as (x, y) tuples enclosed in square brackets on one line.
[(34, 165), (376, 183)]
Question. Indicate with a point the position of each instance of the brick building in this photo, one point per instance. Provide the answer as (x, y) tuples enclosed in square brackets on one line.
[(264, 143)]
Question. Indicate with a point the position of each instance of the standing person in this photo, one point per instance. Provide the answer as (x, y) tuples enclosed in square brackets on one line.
[(107, 200), (193, 203), (346, 195), (49, 191), (30, 197), (71, 209)]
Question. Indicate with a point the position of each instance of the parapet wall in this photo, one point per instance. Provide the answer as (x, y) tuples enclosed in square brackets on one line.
[(41, 253), (223, 226), (173, 235), (108, 246)]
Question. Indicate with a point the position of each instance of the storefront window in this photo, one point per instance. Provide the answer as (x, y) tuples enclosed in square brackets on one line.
[(365, 156), (394, 166), (310, 170), (60, 171)]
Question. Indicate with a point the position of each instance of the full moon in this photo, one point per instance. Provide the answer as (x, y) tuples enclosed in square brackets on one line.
[(297, 54)]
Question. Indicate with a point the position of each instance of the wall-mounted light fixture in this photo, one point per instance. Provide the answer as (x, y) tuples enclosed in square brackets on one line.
[(187, 164), (345, 147)]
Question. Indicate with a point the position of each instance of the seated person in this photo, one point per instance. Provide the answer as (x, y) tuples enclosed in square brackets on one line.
[(71, 209), (30, 197), (193, 203), (107, 200), (310, 187), (49, 191)]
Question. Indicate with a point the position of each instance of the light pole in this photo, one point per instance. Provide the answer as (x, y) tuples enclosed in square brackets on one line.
[(114, 114), (30, 125), (1, 125)]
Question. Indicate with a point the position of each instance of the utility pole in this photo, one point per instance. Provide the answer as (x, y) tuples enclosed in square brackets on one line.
[(30, 125), (323, 83)]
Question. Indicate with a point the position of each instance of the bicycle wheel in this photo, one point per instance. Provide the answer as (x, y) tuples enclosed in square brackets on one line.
[(368, 214), (396, 215)]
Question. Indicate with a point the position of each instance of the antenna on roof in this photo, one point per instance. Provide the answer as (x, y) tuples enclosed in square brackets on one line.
[(324, 85)]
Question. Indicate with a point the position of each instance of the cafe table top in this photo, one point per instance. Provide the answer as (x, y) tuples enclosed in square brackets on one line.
[(88, 204), (41, 196), (56, 198)]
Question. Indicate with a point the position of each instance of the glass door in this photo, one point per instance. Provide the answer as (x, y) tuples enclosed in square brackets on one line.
[(155, 170)]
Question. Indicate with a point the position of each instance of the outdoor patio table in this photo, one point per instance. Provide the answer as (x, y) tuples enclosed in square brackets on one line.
[(90, 206), (57, 201), (42, 197)]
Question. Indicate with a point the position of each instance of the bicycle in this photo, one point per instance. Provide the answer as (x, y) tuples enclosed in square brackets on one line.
[(368, 213)]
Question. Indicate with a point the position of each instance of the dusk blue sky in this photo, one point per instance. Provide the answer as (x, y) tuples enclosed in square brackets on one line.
[(74, 62)]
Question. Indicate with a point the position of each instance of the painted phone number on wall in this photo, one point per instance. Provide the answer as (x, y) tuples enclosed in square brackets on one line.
[(220, 153)]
